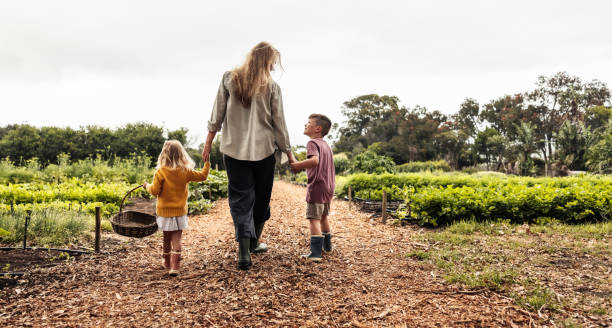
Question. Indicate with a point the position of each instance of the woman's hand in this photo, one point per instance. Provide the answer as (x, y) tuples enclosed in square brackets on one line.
[(206, 153), (145, 185), (207, 145), (291, 157)]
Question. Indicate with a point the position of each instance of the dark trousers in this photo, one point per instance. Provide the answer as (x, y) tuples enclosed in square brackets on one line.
[(249, 190)]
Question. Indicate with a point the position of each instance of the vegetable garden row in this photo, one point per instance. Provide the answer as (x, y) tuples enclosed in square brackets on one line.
[(440, 199), (62, 199)]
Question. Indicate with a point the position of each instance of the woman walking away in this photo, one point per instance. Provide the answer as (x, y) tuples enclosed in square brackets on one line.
[(249, 109), (170, 185)]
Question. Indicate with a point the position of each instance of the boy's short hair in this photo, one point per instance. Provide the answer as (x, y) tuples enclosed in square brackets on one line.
[(323, 121)]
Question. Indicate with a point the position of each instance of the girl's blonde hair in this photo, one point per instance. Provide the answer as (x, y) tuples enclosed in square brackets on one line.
[(173, 155), (252, 77)]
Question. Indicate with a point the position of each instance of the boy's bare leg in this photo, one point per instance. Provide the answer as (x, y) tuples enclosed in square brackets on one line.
[(315, 227), (316, 241), (325, 228)]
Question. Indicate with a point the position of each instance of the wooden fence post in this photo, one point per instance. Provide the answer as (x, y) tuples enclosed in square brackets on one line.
[(350, 197), (25, 228), (97, 241), (384, 206), (216, 166)]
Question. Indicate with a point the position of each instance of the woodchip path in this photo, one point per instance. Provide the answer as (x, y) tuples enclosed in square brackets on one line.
[(367, 281)]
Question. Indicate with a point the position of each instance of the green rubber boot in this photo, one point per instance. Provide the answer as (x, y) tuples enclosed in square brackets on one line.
[(244, 257), (327, 245), (256, 246), (316, 248)]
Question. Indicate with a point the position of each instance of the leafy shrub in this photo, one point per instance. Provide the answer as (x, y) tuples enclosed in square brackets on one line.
[(598, 155), (203, 193), (440, 199), (517, 203), (369, 162), (341, 163), (440, 165)]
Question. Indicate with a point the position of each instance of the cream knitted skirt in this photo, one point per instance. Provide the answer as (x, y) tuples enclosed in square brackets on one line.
[(172, 223)]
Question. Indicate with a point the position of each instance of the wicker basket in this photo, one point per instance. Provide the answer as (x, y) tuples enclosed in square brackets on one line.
[(132, 223)]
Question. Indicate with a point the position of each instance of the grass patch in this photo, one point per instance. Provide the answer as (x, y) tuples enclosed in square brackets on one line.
[(526, 262), (490, 278), (590, 231), (47, 227), (538, 299), (419, 255)]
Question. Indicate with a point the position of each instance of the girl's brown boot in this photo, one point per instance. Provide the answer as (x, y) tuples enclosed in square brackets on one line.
[(166, 261), (175, 263)]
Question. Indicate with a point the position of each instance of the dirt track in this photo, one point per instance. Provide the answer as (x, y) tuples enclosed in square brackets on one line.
[(366, 281)]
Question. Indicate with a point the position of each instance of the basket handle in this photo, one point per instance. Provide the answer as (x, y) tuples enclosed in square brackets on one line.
[(124, 197)]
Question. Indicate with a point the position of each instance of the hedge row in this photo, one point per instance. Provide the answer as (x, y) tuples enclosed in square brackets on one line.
[(364, 185), (444, 198), (516, 203)]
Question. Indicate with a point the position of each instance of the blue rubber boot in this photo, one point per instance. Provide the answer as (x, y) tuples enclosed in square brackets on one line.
[(316, 249), (327, 245)]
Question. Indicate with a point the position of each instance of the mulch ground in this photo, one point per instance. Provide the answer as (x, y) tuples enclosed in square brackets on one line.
[(367, 281)]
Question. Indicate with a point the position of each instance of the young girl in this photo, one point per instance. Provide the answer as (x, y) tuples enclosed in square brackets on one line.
[(170, 185)]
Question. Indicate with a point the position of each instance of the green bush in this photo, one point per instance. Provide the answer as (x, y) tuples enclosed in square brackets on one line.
[(341, 163), (431, 166), (73, 190), (203, 193), (369, 162), (133, 170), (440, 199), (363, 183), (517, 203)]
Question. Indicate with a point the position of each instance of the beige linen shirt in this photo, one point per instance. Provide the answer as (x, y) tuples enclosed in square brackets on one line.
[(249, 134)]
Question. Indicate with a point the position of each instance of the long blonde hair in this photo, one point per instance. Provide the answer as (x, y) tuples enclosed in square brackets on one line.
[(174, 155), (252, 77)]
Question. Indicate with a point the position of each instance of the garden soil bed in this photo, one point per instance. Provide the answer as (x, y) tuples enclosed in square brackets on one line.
[(367, 281)]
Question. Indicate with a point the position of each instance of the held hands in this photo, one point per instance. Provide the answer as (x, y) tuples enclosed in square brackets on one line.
[(206, 153), (295, 167), (293, 162), (291, 157)]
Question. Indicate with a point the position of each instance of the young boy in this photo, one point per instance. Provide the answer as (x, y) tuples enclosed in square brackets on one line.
[(319, 167)]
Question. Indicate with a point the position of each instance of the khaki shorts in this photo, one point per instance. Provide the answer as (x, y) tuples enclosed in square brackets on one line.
[(316, 211)]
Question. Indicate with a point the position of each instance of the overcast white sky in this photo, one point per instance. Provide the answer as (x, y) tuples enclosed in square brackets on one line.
[(74, 63)]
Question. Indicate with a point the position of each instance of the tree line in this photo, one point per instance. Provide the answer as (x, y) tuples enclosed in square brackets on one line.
[(20, 142), (562, 124)]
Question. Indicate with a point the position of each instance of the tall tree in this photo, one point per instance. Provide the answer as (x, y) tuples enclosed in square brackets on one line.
[(139, 137), (563, 97), (527, 144), (571, 143), (598, 155), (370, 118), (180, 135), (467, 119), (489, 146), (23, 142)]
